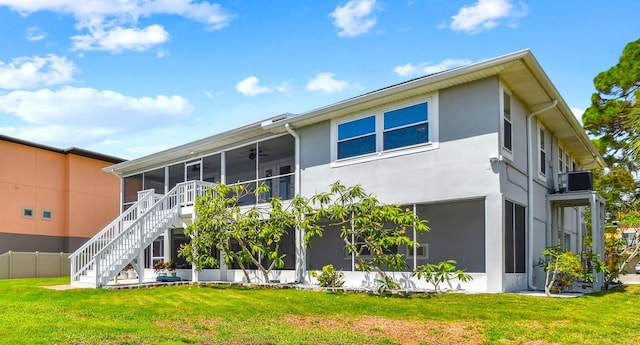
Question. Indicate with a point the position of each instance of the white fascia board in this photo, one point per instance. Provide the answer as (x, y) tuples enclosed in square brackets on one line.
[(565, 110)]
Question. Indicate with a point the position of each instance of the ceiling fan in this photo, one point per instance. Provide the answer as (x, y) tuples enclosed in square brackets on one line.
[(253, 153)]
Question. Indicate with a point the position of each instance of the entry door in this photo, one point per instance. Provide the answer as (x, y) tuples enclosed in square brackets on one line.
[(278, 186), (193, 171)]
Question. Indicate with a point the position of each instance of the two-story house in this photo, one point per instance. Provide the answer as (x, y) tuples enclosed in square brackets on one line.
[(476, 150)]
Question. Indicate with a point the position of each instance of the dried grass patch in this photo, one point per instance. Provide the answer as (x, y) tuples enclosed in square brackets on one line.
[(398, 331)]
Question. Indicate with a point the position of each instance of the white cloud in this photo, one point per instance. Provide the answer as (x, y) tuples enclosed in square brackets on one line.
[(250, 87), (577, 112), (118, 39), (326, 82), (354, 18), (284, 87), (484, 15), (114, 24), (36, 71), (34, 34), (425, 68), (57, 115)]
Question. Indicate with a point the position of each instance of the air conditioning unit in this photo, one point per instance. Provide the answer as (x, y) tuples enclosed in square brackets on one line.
[(575, 181)]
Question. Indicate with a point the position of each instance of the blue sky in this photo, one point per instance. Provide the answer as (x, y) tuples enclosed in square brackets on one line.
[(132, 77)]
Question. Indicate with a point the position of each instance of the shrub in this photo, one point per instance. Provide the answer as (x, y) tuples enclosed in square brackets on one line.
[(329, 277), (441, 272)]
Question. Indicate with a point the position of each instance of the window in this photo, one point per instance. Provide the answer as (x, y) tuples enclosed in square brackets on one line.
[(357, 137), (385, 130), (566, 243), (364, 251), (567, 161), (542, 168), (506, 121), (514, 238), (27, 212), (561, 162), (422, 251), (406, 126), (47, 214)]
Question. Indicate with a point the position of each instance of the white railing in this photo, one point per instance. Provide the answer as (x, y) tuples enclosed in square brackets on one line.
[(131, 242), (82, 258)]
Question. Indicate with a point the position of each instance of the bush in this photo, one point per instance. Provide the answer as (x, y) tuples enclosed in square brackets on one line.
[(441, 272), (329, 277)]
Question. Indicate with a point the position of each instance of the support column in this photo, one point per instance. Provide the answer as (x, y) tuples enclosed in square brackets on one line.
[(224, 269), (194, 272), (494, 242), (597, 235), (301, 255), (167, 245)]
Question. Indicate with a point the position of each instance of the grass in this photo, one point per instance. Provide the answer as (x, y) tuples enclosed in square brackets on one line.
[(30, 314)]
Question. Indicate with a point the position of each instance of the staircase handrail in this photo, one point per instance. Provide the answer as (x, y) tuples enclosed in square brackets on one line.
[(178, 196), (104, 236)]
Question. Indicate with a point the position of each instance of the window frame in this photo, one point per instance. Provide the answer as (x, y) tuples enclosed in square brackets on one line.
[(514, 241), (543, 157), (44, 211), (561, 159), (26, 210), (425, 251), (507, 151), (378, 113), (359, 136)]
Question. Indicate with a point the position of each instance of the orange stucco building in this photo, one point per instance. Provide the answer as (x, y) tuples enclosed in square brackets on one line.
[(53, 200)]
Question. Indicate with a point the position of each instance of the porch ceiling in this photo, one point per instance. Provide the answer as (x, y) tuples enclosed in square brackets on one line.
[(574, 199)]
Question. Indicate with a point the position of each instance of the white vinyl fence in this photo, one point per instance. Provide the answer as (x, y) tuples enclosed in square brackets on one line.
[(33, 265)]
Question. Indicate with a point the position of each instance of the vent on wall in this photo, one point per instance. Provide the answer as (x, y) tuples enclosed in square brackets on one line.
[(575, 181)]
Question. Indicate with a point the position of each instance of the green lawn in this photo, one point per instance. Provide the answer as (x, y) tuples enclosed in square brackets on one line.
[(30, 314)]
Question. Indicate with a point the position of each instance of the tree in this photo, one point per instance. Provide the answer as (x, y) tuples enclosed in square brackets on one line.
[(622, 244), (247, 236), (614, 116), (613, 120), (561, 268), (251, 235), (371, 231)]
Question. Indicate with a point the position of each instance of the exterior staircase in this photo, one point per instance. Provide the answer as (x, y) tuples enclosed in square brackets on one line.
[(123, 240)]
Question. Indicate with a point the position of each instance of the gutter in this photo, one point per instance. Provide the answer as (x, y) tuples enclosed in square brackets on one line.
[(530, 173)]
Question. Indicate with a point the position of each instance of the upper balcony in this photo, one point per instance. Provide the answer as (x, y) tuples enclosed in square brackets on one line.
[(269, 161)]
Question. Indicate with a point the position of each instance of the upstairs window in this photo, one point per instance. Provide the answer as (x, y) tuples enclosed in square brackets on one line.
[(385, 130), (406, 126), (506, 121), (542, 166), (357, 137), (561, 161)]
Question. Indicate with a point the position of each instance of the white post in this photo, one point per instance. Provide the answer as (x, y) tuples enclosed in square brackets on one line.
[(194, 271)]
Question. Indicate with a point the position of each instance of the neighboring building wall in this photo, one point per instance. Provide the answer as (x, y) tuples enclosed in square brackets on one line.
[(72, 189), (93, 198)]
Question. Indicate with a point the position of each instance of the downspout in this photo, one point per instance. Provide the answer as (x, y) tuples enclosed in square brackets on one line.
[(296, 158), (530, 173), (300, 251)]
